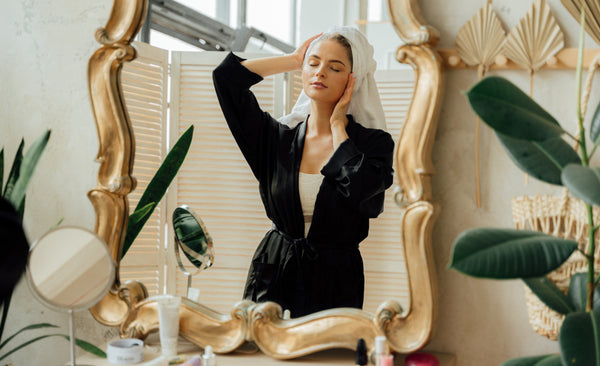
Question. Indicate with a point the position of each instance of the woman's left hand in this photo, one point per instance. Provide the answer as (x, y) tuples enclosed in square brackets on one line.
[(339, 111)]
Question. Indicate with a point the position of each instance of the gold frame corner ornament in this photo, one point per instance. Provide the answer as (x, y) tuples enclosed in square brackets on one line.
[(128, 305)]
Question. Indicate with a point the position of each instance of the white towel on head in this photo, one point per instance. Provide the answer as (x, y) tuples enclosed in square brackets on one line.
[(365, 105)]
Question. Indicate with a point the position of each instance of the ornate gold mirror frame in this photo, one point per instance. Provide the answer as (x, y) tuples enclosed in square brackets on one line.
[(125, 305)]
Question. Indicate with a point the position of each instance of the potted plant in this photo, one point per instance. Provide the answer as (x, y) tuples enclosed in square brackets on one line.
[(535, 141)]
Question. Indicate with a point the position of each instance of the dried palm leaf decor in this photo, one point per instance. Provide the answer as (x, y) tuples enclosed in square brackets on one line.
[(535, 39), (478, 42)]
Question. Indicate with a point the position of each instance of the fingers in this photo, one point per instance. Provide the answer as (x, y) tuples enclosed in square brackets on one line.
[(302, 50), (347, 96)]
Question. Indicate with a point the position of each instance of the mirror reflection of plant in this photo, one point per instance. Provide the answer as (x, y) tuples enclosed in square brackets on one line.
[(157, 188), (14, 257), (533, 140)]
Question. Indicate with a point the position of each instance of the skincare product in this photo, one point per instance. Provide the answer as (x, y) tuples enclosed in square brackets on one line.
[(361, 353), (125, 351), (209, 358), (194, 361), (382, 352), (168, 324)]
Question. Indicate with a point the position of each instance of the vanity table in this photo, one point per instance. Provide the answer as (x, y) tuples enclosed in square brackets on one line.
[(324, 358)]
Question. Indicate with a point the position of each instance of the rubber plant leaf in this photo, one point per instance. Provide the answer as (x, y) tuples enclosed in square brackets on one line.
[(595, 126), (508, 253), (579, 339), (30, 160), (29, 327), (159, 183), (550, 294), (508, 110), (13, 175), (583, 182), (578, 292), (542, 160), (547, 360)]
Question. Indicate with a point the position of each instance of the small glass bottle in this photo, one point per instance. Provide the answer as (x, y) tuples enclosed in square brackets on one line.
[(382, 352)]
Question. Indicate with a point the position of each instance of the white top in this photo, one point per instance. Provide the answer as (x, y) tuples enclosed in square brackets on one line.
[(308, 187)]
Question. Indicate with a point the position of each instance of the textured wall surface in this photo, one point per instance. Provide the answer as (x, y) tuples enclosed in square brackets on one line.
[(45, 48)]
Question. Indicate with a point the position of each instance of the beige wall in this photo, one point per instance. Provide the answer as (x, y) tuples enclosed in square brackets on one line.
[(45, 47)]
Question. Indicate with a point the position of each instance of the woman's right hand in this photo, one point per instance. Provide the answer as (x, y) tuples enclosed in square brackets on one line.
[(300, 53)]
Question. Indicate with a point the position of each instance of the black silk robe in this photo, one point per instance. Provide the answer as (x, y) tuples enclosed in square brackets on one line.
[(324, 269)]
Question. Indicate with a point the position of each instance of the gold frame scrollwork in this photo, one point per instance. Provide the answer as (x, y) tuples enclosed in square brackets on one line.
[(128, 306)]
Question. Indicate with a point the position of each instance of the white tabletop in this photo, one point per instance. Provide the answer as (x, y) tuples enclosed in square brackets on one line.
[(244, 358)]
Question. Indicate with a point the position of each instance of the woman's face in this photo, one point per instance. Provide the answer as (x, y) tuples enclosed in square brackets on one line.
[(325, 71)]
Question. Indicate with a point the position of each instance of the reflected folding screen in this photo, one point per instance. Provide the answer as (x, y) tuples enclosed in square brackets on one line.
[(217, 183)]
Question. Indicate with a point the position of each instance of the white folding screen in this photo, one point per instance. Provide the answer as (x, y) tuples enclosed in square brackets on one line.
[(217, 183), (215, 180), (145, 88), (385, 269)]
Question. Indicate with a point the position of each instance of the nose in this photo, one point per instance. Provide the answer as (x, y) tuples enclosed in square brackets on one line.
[(320, 71)]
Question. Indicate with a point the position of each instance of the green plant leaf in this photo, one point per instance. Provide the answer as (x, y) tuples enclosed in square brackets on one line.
[(583, 182), (24, 345), (5, 303), (550, 294), (1, 169), (30, 160), (57, 224), (86, 346), (506, 109), (578, 292), (159, 183), (139, 217), (13, 175), (508, 253), (542, 160), (595, 126), (547, 360), (29, 327), (579, 339)]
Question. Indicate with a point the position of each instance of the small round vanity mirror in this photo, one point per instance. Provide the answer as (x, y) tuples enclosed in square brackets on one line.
[(192, 238), (70, 269)]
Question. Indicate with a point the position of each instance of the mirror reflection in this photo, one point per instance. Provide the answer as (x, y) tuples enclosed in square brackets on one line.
[(191, 238), (217, 182), (70, 268)]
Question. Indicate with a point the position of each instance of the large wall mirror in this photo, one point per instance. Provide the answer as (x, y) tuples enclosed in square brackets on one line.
[(400, 301)]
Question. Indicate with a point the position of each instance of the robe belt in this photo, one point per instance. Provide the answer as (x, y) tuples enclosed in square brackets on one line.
[(300, 253), (300, 246)]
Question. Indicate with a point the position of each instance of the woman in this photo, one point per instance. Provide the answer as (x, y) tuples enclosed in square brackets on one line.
[(321, 174)]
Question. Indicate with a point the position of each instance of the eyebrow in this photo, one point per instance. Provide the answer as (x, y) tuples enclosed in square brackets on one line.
[(317, 57)]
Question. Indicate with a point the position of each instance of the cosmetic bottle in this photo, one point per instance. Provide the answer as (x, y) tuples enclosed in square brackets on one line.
[(209, 358), (361, 353), (382, 352)]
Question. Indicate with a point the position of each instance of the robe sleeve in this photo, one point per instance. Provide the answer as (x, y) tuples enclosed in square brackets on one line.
[(249, 124), (362, 177)]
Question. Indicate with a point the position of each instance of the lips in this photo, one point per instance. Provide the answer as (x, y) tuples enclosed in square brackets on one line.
[(318, 85)]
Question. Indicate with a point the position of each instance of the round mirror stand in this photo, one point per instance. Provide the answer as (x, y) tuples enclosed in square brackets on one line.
[(70, 269)]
